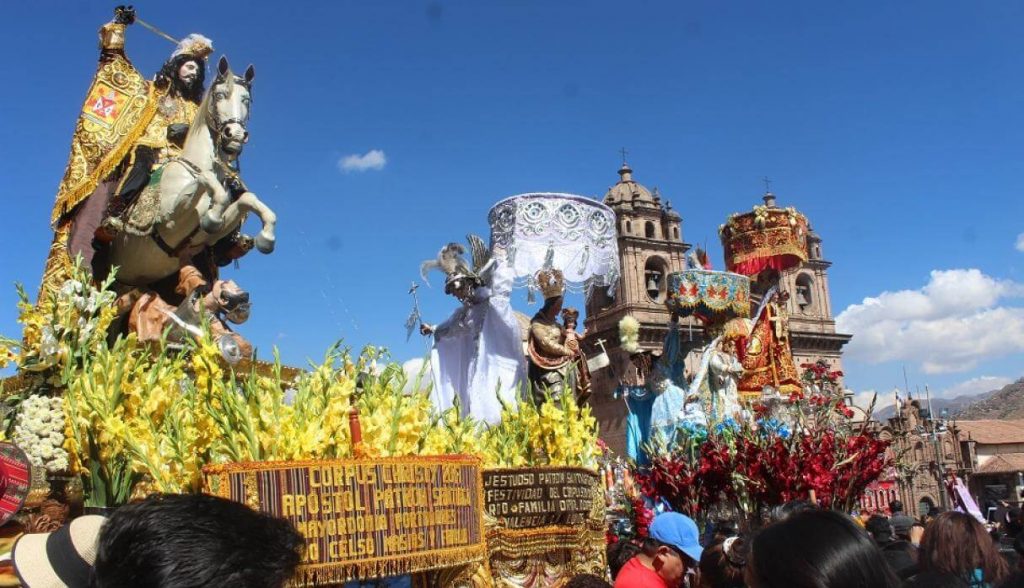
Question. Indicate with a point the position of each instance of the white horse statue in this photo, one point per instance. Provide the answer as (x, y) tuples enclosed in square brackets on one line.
[(194, 209)]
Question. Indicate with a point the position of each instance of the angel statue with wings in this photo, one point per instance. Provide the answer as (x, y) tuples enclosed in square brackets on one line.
[(477, 355)]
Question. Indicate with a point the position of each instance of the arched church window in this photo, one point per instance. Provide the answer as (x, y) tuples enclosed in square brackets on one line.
[(629, 228), (925, 505), (675, 232), (649, 230), (655, 271), (804, 292), (919, 452)]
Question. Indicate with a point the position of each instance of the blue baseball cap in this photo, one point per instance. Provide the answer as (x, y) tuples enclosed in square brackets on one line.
[(679, 531)]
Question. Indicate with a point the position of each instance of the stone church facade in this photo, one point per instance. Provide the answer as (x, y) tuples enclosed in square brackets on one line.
[(651, 245)]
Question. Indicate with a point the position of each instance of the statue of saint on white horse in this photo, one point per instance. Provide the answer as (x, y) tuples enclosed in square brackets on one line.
[(197, 199)]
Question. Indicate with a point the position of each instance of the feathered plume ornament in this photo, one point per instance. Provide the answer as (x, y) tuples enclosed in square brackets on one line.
[(449, 260), (195, 45), (698, 259), (629, 334), (479, 252)]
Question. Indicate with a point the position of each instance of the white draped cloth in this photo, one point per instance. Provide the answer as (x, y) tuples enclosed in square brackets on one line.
[(477, 354), (725, 371)]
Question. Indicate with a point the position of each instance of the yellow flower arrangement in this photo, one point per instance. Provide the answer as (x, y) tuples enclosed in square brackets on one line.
[(557, 433), (140, 419)]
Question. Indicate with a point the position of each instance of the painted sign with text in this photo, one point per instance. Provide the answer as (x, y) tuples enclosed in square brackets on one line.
[(367, 518), (528, 498)]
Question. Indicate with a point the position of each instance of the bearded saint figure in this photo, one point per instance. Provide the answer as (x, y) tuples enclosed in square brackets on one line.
[(128, 127)]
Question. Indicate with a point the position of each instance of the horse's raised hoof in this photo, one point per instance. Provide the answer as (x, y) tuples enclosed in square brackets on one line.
[(211, 223), (265, 244)]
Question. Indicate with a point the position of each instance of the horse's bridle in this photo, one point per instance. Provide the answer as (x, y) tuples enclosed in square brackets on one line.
[(217, 126)]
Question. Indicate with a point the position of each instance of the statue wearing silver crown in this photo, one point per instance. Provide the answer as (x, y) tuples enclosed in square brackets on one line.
[(128, 131), (477, 357)]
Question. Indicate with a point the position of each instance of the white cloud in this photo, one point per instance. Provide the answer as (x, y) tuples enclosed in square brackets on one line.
[(947, 326), (413, 369), (1020, 242), (973, 387), (374, 159)]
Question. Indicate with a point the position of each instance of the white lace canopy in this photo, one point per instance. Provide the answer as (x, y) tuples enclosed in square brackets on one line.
[(567, 232)]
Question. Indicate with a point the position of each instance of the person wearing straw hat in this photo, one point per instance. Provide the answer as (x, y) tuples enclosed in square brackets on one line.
[(61, 559)]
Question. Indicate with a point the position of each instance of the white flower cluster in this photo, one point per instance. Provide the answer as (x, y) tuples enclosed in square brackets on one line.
[(87, 301), (39, 432)]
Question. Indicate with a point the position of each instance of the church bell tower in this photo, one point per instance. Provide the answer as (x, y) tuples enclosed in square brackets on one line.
[(650, 239)]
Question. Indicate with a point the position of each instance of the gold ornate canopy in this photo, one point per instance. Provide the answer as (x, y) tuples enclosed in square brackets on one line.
[(767, 237)]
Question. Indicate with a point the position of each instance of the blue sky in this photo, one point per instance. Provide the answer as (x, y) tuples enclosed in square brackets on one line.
[(897, 127)]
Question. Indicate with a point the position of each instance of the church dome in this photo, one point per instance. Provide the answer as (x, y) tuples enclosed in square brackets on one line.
[(628, 190)]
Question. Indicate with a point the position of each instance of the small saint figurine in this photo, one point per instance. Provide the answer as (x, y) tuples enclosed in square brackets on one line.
[(570, 318)]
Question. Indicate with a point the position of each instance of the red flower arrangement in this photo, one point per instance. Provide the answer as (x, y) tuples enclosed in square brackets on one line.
[(755, 466)]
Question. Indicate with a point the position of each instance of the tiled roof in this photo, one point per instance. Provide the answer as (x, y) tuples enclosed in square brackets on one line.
[(1004, 463), (992, 432)]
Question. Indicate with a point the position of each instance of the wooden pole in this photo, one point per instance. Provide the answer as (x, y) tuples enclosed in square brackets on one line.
[(356, 432)]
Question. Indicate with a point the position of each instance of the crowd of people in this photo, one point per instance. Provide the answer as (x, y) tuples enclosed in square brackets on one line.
[(198, 540), (807, 547)]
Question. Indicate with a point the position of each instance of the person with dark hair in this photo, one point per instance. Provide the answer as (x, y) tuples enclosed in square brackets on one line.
[(956, 550), (787, 509), (185, 540), (817, 549), (1012, 523), (619, 553), (1015, 580), (164, 541), (1018, 546), (722, 531), (900, 555), (668, 556), (587, 581), (901, 522), (722, 564)]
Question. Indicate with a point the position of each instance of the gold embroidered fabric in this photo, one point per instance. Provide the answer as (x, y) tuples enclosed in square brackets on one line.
[(119, 106), (170, 110), (546, 347)]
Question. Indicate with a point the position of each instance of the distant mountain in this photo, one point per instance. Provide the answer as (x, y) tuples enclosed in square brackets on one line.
[(953, 405), (1005, 403)]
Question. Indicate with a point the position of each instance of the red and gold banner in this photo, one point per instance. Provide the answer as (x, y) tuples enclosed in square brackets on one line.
[(117, 108), (367, 518)]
